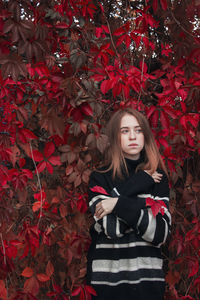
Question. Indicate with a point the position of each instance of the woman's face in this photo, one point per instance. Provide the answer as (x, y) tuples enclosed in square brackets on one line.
[(132, 137)]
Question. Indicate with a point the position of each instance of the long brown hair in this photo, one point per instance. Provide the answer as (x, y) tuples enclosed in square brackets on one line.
[(114, 157)]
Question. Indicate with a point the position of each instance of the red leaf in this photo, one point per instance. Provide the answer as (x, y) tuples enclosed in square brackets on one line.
[(41, 166), (36, 206), (164, 119), (27, 173), (86, 109), (163, 142), (28, 272), (22, 162), (193, 119), (163, 4), (126, 90), (40, 195), (42, 277), (83, 127), (183, 121), (117, 89), (49, 167), (69, 170), (99, 31), (76, 291), (37, 155), (124, 28), (98, 189), (171, 112), (155, 5), (28, 134), (31, 285), (156, 206), (49, 149), (98, 77), (149, 202), (55, 160), (182, 93), (3, 290), (120, 40), (105, 86), (128, 41), (150, 111), (49, 269), (61, 25), (193, 267), (154, 118), (90, 290), (183, 106), (151, 21)]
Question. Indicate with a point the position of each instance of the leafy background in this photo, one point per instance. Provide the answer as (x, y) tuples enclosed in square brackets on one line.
[(65, 66)]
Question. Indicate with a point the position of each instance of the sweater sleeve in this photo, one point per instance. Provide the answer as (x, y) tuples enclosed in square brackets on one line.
[(133, 210), (111, 225), (139, 182)]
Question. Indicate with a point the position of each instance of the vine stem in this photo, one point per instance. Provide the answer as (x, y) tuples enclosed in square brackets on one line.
[(4, 258), (39, 182), (142, 75), (4, 250), (112, 38), (179, 24)]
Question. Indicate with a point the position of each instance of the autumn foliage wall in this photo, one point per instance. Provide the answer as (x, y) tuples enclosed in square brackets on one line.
[(65, 66)]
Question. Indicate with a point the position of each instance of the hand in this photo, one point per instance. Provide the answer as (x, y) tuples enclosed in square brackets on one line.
[(105, 207), (157, 177)]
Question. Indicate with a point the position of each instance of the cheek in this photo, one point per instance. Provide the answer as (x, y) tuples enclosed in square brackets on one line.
[(142, 141), (122, 140)]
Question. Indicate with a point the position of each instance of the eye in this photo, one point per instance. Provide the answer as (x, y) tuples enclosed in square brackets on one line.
[(139, 130), (124, 131)]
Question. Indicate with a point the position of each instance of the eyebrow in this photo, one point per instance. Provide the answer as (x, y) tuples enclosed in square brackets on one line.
[(129, 127)]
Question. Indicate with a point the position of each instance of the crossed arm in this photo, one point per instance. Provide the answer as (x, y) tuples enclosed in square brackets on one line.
[(128, 210), (106, 207)]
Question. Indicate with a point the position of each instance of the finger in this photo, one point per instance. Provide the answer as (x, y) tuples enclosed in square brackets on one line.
[(99, 211), (98, 205), (157, 179), (100, 215), (99, 208), (157, 174)]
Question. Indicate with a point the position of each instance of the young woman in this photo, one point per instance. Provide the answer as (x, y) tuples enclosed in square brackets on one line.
[(124, 259)]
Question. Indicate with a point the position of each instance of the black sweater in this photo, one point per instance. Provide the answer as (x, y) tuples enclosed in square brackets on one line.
[(124, 260)]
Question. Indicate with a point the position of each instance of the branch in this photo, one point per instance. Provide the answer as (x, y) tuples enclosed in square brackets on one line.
[(4, 250), (179, 24), (142, 74), (39, 182)]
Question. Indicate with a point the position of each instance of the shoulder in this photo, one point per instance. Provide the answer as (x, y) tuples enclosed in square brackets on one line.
[(100, 176)]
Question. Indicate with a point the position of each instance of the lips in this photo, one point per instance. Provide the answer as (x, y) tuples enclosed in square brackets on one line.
[(133, 145)]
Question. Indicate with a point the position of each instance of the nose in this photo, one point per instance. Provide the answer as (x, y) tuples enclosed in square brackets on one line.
[(132, 135)]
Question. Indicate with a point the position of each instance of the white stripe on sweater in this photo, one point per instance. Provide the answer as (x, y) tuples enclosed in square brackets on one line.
[(153, 197), (151, 228), (94, 199), (127, 281), (125, 245), (166, 233), (115, 266)]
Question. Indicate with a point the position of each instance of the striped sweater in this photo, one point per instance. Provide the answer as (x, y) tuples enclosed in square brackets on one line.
[(124, 259)]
